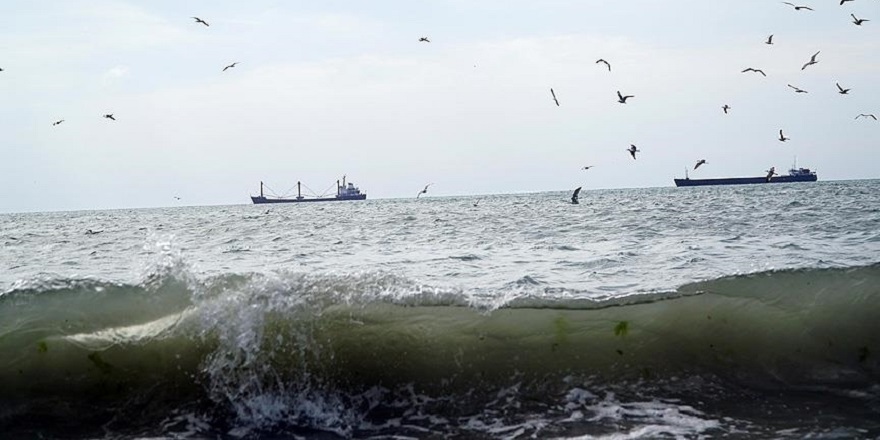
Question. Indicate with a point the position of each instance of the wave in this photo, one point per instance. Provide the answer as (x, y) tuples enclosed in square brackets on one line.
[(331, 351)]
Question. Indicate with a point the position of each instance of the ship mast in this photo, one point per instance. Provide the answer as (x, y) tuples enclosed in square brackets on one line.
[(261, 189), (298, 191)]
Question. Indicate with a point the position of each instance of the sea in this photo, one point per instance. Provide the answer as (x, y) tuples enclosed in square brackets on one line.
[(662, 313)]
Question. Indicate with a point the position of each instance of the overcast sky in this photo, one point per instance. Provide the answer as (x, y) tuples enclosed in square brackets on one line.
[(326, 88)]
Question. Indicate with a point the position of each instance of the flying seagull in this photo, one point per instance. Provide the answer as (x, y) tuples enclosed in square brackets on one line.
[(622, 99), (91, 232), (812, 61), (424, 191), (858, 21), (770, 173), (600, 60), (782, 138), (633, 150), (587, 167), (199, 20), (574, 196), (798, 8), (700, 162), (842, 90), (230, 66), (866, 116), (725, 107), (554, 97), (109, 116), (58, 122), (424, 39), (769, 39), (749, 69), (797, 90)]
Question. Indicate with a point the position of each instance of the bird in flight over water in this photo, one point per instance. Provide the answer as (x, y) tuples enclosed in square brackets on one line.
[(622, 99), (812, 61), (725, 107), (866, 116), (633, 150), (554, 97), (109, 116), (58, 122), (700, 162), (229, 66), (797, 90), (600, 60), (798, 8), (858, 21), (749, 69), (423, 191), (424, 40), (782, 138), (199, 20), (842, 91), (574, 196), (769, 39), (770, 173), (587, 167)]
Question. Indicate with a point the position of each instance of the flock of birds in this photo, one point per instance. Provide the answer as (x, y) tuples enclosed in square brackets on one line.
[(622, 99)]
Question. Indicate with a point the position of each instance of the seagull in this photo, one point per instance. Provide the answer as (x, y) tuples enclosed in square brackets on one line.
[(110, 116), (574, 196), (587, 167), (622, 99), (176, 198), (58, 122), (554, 97), (424, 191), (866, 116), (230, 66), (770, 173), (769, 39), (199, 20), (842, 90), (725, 107), (632, 150), (858, 21), (424, 39), (782, 138), (700, 162), (797, 90), (91, 232), (600, 60), (477, 202), (798, 8), (812, 61), (749, 69)]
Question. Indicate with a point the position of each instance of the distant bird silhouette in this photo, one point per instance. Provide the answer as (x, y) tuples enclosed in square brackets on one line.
[(844, 1), (600, 60), (700, 162), (91, 232), (782, 138), (176, 198), (110, 116), (866, 116), (842, 91), (554, 97), (622, 99), (798, 8), (587, 167), (769, 39), (199, 20), (725, 107), (477, 202), (749, 69), (424, 39), (633, 150), (230, 66), (858, 21), (811, 62), (770, 173), (58, 122), (424, 191), (797, 90), (574, 196)]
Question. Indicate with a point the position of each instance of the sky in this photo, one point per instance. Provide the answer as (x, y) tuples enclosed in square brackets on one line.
[(331, 88)]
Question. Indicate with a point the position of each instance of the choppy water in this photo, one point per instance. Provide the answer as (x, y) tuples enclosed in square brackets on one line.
[(670, 312)]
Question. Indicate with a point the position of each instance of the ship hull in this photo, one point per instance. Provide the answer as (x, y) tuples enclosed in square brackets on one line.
[(744, 180), (258, 200)]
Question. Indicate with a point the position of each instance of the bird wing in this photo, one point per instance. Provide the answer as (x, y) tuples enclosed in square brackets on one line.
[(875, 118), (619, 96), (792, 4), (553, 93)]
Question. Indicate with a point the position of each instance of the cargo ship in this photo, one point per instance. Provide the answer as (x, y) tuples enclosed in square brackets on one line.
[(794, 175), (343, 192)]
